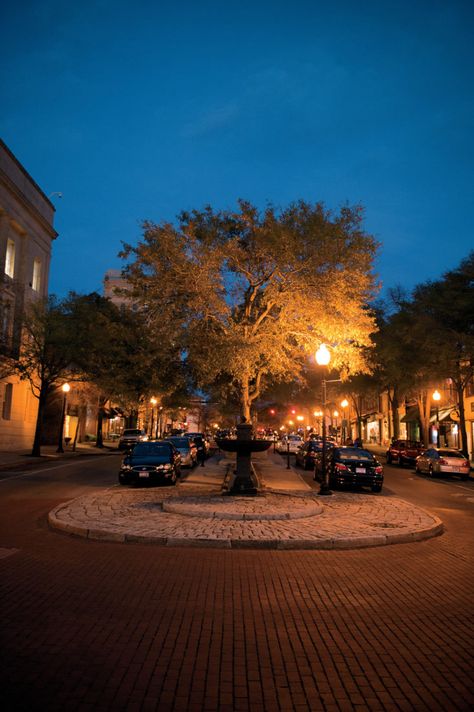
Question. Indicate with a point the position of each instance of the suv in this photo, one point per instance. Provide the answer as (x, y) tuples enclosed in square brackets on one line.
[(404, 452), (130, 437)]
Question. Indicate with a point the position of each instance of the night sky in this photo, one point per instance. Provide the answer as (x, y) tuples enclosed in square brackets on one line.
[(137, 110)]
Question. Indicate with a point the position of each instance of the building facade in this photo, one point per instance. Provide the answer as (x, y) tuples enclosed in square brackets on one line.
[(26, 235)]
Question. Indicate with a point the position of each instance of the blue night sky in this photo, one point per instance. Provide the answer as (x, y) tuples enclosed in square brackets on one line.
[(136, 110)]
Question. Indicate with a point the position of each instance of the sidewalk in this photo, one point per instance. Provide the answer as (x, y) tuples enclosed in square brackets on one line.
[(13, 460), (288, 514)]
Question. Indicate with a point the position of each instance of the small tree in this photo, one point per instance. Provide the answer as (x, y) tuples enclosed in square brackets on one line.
[(46, 354)]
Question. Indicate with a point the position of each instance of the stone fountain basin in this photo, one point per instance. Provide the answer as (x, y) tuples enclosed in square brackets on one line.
[(243, 447)]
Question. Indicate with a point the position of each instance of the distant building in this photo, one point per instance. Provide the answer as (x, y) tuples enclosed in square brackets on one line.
[(114, 284), (26, 235)]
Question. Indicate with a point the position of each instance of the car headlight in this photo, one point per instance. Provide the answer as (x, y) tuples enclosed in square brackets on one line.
[(126, 466), (165, 468)]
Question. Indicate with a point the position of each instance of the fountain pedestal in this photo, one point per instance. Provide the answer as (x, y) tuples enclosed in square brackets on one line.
[(245, 482)]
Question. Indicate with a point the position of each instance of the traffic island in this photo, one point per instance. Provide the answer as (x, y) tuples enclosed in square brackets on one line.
[(203, 517)]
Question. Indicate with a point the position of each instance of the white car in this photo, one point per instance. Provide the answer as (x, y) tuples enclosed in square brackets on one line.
[(443, 461), (289, 442)]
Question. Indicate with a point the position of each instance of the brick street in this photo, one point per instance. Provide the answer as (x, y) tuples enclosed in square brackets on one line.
[(90, 625)]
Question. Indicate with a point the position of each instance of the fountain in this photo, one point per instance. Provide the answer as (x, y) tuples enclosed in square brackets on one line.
[(245, 481)]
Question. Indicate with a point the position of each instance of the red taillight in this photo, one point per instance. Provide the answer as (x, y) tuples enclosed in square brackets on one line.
[(442, 461), (378, 470), (340, 467)]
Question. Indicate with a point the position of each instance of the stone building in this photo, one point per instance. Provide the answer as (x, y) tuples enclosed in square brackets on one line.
[(26, 235)]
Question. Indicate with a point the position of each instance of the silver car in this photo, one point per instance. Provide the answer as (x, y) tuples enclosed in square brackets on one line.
[(130, 437), (186, 448), (444, 460)]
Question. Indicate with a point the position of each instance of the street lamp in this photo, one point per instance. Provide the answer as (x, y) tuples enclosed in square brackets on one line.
[(65, 389), (322, 358), (153, 402), (437, 398), (344, 405)]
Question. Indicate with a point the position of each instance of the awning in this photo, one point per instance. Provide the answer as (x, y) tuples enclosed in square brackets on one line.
[(444, 414), (412, 415)]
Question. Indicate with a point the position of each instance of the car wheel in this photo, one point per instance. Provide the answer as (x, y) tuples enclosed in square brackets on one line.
[(389, 460), (401, 461), (122, 482), (430, 471), (376, 488), (464, 477), (417, 469)]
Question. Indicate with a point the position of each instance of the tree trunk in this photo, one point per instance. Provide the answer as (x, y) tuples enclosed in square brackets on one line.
[(424, 407), (395, 404), (100, 416), (36, 451), (462, 419), (245, 398)]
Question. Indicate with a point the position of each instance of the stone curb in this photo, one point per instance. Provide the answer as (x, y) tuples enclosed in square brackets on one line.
[(324, 543)]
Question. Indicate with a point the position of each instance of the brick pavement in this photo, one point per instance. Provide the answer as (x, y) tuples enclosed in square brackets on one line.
[(94, 625)]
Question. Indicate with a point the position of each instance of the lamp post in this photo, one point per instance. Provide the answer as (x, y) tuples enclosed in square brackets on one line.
[(322, 358), (437, 398), (344, 405), (65, 389), (153, 402)]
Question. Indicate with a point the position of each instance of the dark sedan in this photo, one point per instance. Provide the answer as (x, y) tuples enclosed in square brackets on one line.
[(352, 467), (151, 462)]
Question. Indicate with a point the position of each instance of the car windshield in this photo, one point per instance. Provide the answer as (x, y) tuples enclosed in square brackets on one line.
[(354, 454), (451, 453), (132, 431), (180, 442), (295, 438), (151, 449)]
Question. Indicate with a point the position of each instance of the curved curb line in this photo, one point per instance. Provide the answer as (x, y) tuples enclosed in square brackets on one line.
[(353, 542)]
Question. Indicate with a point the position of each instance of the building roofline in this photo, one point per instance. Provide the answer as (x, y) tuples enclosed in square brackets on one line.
[(26, 174)]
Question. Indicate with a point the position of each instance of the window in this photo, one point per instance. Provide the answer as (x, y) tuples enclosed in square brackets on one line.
[(36, 282), (10, 259), (7, 402)]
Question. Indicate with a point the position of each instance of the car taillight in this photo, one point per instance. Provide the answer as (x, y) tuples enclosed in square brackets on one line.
[(442, 461), (378, 470), (340, 467)]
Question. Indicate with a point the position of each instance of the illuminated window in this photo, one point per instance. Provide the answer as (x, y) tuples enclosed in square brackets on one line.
[(36, 282), (10, 259)]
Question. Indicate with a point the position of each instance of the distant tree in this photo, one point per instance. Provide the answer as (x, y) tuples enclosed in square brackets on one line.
[(115, 351), (442, 315), (250, 295)]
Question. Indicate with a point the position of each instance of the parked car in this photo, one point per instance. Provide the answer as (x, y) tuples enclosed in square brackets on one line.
[(308, 452), (446, 461), (151, 462), (353, 467), (130, 437), (186, 448), (404, 452), (293, 441)]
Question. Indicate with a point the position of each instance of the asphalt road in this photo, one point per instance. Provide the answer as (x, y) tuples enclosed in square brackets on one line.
[(90, 625)]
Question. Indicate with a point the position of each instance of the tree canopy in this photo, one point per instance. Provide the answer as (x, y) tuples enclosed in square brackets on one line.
[(249, 295)]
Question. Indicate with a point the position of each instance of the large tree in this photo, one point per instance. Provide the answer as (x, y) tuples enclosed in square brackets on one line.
[(250, 295)]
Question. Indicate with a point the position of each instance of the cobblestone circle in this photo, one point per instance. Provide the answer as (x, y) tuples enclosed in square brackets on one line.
[(344, 520)]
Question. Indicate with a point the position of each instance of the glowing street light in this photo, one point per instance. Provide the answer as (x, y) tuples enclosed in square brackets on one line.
[(65, 389), (153, 402), (323, 358), (344, 405)]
